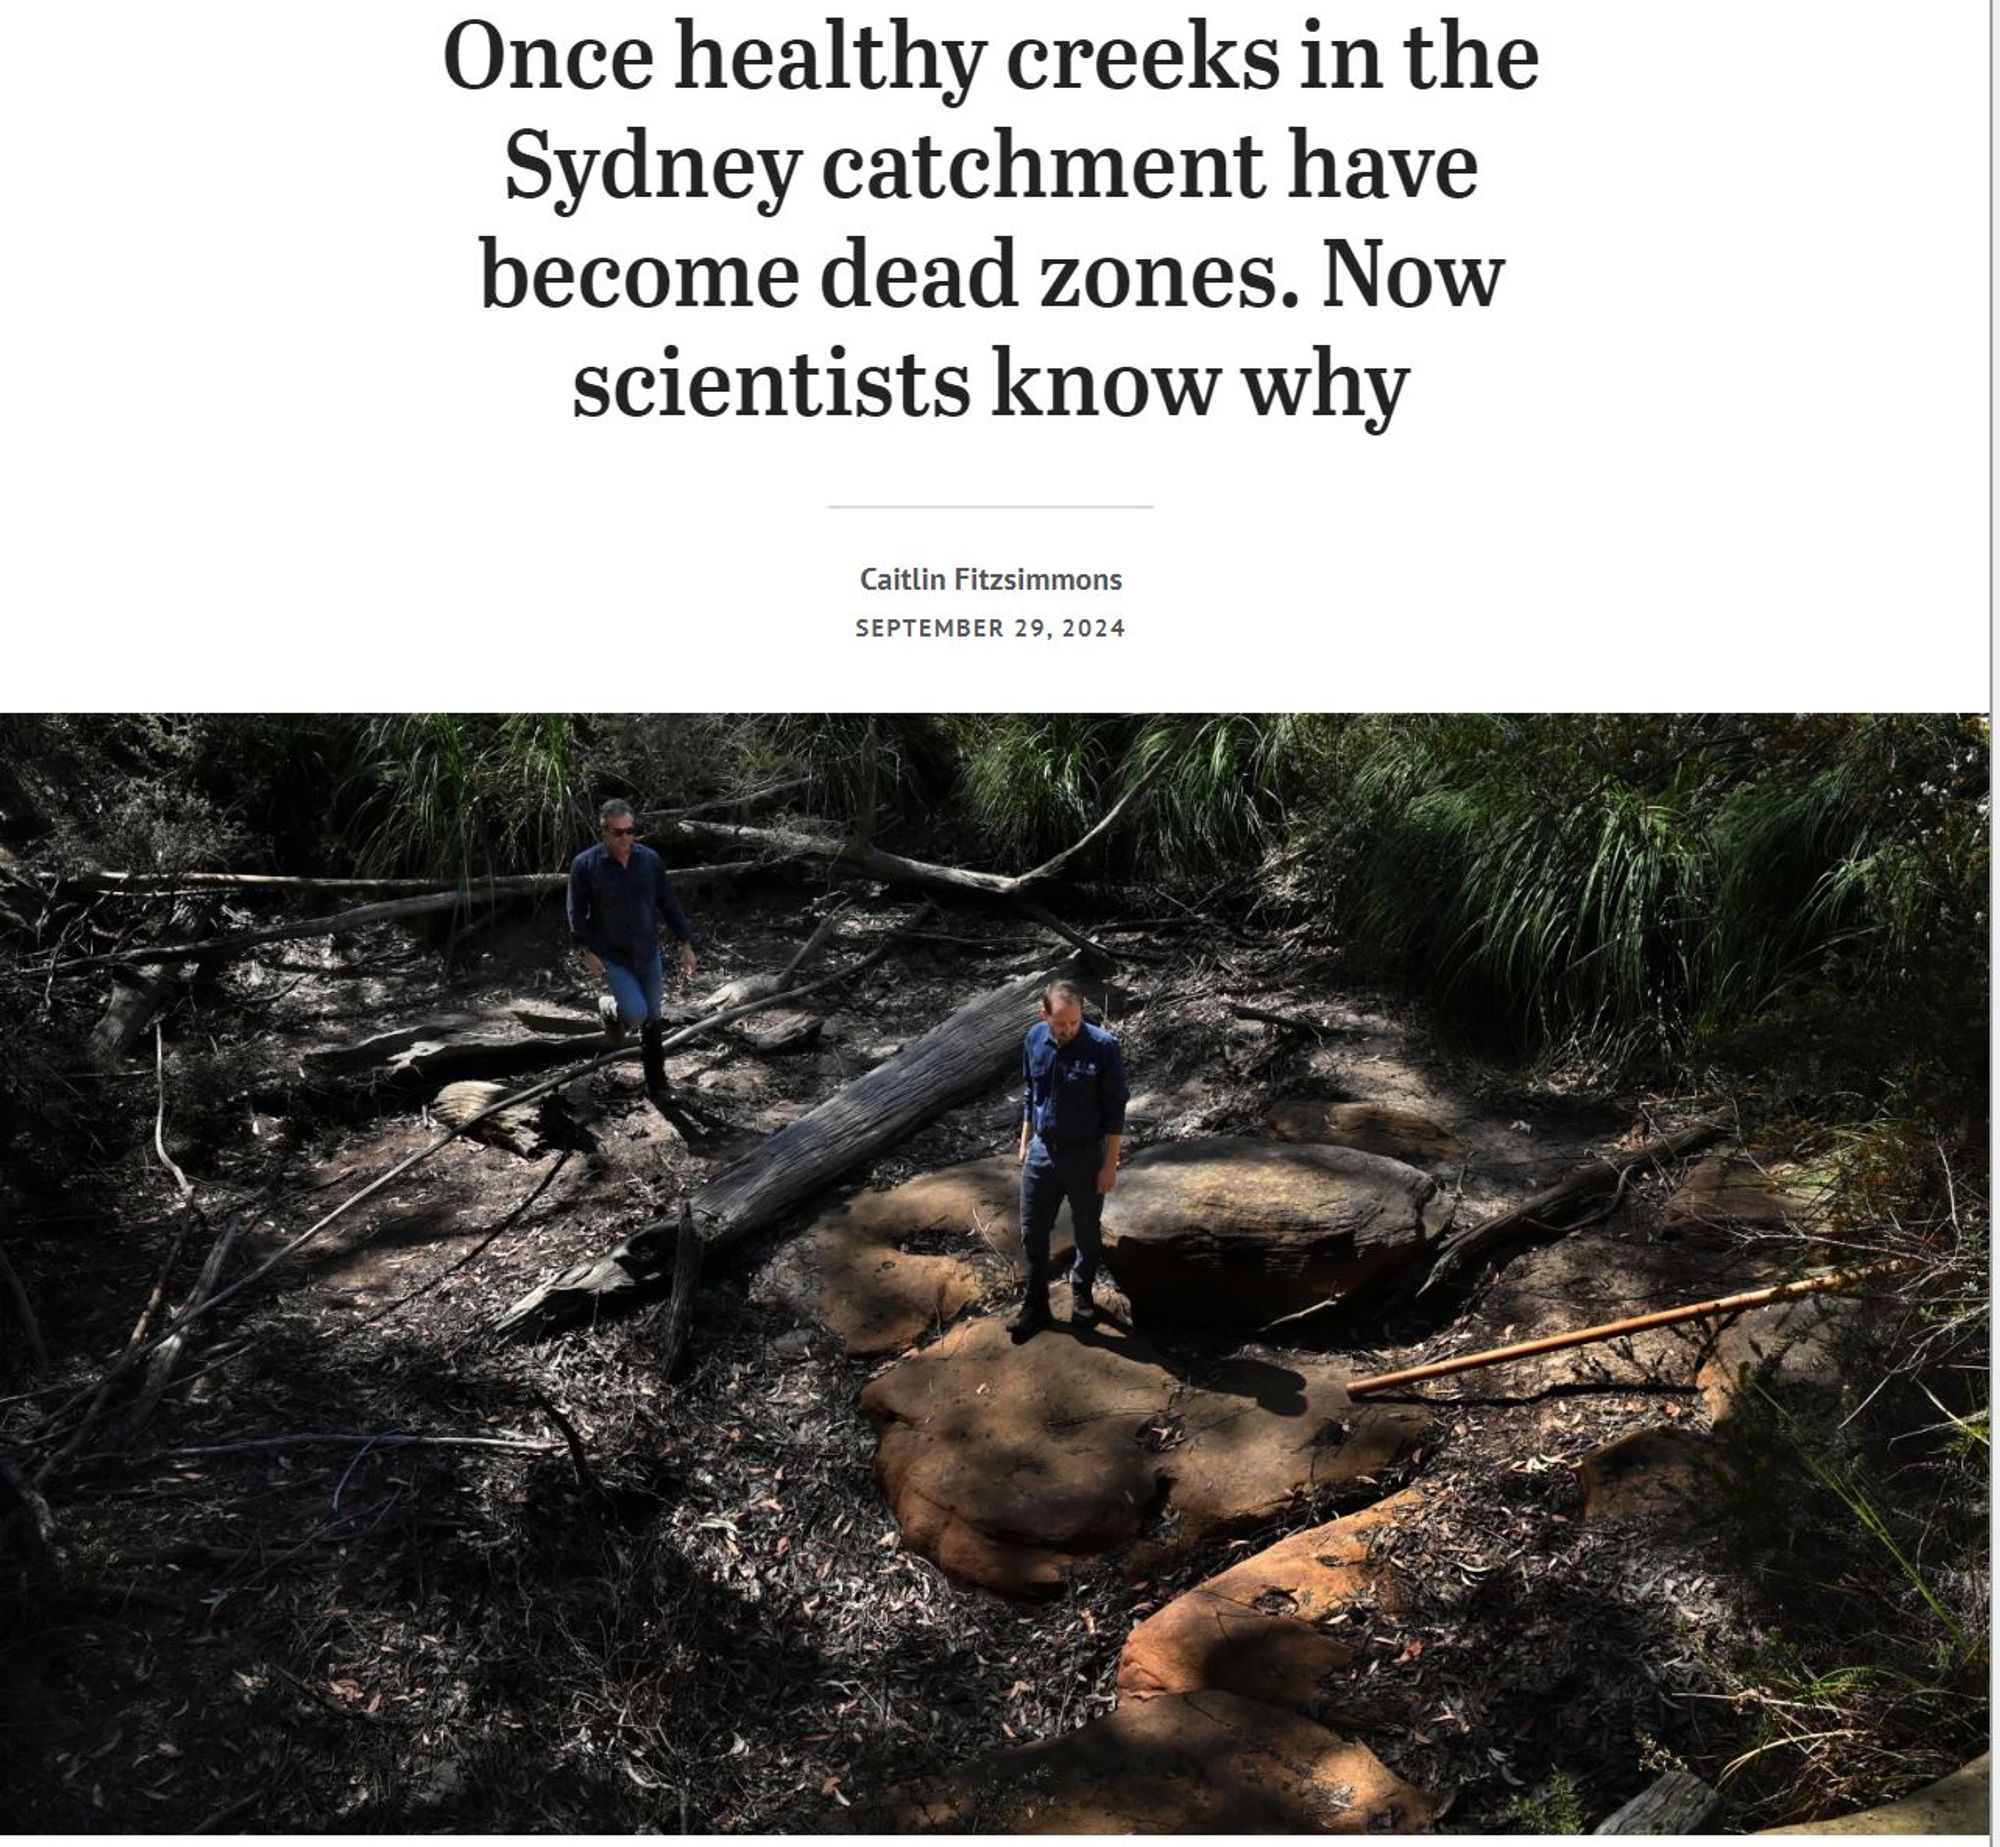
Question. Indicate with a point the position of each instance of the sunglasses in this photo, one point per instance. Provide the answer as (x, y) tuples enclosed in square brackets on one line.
[(621, 830)]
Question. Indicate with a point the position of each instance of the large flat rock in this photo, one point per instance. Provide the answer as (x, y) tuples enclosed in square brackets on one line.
[(1260, 1628), (1231, 1232), (888, 1267), (1734, 1190), (1006, 1465), (1201, 1763)]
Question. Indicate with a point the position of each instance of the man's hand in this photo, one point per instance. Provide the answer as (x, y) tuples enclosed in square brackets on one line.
[(1107, 1176), (594, 963), (687, 960), (1021, 1153)]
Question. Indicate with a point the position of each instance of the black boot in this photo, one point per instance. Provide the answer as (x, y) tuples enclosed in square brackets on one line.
[(1082, 1306), (653, 1054), (1032, 1317)]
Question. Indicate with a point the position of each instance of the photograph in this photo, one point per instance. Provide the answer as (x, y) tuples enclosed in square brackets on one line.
[(991, 1273)]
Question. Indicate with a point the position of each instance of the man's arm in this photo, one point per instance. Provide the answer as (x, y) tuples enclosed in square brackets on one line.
[(579, 911), (1027, 1107), (676, 920), (1112, 1095)]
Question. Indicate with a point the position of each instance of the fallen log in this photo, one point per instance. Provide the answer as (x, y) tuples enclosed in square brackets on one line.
[(443, 1052), (854, 853), (157, 884), (1632, 1324), (145, 985), (1299, 1023), (390, 910), (1525, 1220), (954, 1060), (1675, 1802)]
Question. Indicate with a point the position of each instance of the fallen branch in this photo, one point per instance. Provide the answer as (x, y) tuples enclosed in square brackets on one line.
[(392, 1439), (366, 916), (859, 855), (398, 1303), (1525, 1220), (1632, 1324), (1297, 1022), (759, 987), (579, 1457), (164, 884), (166, 1356)]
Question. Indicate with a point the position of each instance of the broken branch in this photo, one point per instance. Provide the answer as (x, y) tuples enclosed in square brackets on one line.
[(1632, 1324), (1525, 1220)]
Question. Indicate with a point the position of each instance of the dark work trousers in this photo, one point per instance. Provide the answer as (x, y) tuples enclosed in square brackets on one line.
[(1048, 1177)]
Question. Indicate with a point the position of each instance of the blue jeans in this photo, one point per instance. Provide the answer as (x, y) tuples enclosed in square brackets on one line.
[(637, 991), (1048, 1177)]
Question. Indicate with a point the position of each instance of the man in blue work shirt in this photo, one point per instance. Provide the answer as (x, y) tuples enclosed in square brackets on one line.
[(1071, 1127), (619, 901)]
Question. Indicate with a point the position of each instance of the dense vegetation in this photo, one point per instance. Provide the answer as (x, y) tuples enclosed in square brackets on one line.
[(1785, 913)]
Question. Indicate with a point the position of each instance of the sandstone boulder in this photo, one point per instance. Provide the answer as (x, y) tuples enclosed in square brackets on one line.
[(1006, 1465), (1788, 1345), (1961, 1804), (1199, 1763), (855, 1272), (1659, 1476), (1237, 1233), (1257, 1628), (1374, 1128), (1732, 1189)]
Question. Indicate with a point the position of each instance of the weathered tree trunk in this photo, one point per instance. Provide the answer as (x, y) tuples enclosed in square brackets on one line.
[(954, 1060), (1525, 1221), (142, 991), (1678, 1802), (680, 1302)]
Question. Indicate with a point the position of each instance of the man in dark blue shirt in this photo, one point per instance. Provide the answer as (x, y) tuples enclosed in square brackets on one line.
[(619, 902), (1072, 1122)]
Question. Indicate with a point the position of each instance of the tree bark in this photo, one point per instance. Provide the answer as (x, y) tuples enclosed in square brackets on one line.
[(954, 1060), (680, 1302), (1678, 1802), (1524, 1221)]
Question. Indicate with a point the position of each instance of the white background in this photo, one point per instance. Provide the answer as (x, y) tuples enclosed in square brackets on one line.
[(1721, 443)]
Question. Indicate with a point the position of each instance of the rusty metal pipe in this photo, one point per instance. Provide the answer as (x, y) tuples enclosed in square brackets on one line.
[(1660, 1318)]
